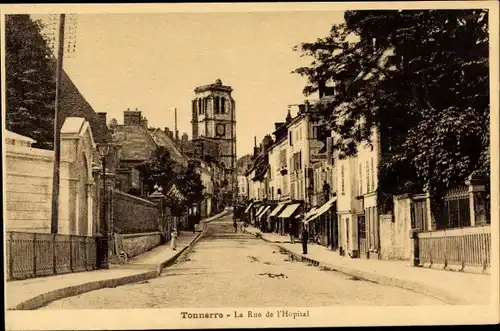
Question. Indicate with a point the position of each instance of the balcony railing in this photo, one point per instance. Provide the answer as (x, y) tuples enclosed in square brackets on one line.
[(32, 255)]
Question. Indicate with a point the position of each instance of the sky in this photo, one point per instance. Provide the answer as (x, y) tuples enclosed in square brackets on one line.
[(153, 62)]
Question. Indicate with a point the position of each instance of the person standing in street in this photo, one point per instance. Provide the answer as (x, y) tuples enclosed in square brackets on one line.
[(305, 238), (173, 243)]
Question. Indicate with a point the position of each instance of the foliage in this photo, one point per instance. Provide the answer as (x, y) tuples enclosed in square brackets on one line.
[(190, 185), (30, 81), (159, 169), (423, 85)]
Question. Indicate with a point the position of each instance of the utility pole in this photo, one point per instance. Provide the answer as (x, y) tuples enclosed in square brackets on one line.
[(54, 224), (176, 132), (233, 153)]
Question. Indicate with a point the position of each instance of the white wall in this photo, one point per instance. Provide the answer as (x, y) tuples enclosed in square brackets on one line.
[(28, 184)]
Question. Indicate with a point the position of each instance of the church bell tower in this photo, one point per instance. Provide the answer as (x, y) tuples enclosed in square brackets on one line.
[(214, 118)]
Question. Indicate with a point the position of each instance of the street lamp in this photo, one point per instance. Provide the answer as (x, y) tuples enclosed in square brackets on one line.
[(103, 239)]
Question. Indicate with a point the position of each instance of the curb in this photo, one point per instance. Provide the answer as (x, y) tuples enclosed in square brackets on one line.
[(46, 298), (375, 278)]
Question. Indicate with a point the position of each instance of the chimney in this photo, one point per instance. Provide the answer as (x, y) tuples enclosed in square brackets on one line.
[(102, 118), (278, 125), (307, 106), (254, 141), (144, 122), (185, 138), (131, 117), (288, 116), (302, 108)]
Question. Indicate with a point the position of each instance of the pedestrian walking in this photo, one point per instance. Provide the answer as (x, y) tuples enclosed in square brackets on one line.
[(173, 242), (235, 224), (305, 238)]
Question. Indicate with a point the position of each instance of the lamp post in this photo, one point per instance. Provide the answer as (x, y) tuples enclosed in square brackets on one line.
[(103, 239)]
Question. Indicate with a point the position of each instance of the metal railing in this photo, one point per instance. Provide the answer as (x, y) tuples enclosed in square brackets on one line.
[(465, 247), (32, 255)]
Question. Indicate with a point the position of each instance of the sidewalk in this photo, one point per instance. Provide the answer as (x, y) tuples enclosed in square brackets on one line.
[(36, 292), (452, 287)]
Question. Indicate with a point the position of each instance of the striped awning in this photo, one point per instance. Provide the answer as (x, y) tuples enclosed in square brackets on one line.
[(289, 210), (312, 211), (321, 210), (263, 212), (259, 210), (277, 209), (248, 208)]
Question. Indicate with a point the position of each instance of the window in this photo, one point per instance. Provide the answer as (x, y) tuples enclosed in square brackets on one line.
[(373, 174), (342, 187), (360, 179), (200, 106), (223, 105), (216, 105), (290, 138), (367, 177)]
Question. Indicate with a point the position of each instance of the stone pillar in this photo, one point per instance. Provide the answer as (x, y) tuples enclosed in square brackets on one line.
[(477, 201), (164, 226), (108, 190)]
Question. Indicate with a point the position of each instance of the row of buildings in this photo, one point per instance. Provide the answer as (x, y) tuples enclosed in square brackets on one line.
[(296, 177)]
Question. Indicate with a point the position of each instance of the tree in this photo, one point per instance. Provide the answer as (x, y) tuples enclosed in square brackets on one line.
[(30, 81), (190, 185), (113, 123), (160, 169), (423, 84)]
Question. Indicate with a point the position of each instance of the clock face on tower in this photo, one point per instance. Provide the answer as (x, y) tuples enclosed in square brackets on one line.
[(220, 130)]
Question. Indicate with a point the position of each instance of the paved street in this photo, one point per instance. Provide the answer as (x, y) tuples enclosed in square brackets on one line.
[(225, 269)]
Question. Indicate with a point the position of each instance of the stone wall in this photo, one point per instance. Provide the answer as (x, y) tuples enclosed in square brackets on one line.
[(395, 240), (134, 215), (136, 244)]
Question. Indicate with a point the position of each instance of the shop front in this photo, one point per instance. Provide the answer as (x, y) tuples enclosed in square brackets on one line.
[(273, 217), (289, 223), (321, 224)]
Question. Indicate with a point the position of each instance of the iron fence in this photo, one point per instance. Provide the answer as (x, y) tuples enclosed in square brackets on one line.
[(456, 211), (32, 255), (464, 247)]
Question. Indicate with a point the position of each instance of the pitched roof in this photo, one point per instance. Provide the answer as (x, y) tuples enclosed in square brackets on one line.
[(136, 142), (74, 104), (162, 139)]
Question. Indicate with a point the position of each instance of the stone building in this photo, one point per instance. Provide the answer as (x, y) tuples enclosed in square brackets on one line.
[(214, 118)]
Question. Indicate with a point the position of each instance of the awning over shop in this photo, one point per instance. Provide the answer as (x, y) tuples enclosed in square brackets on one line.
[(277, 209), (289, 210), (262, 213), (321, 210), (259, 210), (311, 212), (248, 208)]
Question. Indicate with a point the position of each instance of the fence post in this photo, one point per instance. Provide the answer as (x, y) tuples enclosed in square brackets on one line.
[(71, 253), (54, 254), (462, 251), (483, 241), (11, 257), (445, 239), (86, 255), (416, 247), (34, 254)]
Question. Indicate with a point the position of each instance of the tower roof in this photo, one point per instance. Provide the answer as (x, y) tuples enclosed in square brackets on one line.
[(217, 86)]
